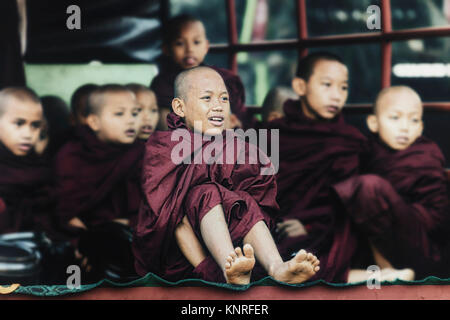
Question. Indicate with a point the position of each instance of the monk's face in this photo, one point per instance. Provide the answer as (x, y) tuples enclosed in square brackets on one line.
[(20, 125), (206, 108), (190, 48), (326, 91), (149, 113), (118, 120), (398, 121)]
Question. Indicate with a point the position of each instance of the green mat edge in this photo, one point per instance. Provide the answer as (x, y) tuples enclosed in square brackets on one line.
[(152, 280)]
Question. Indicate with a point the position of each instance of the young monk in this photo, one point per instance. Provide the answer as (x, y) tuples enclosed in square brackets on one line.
[(98, 173), (317, 150), (401, 204), (185, 46), (25, 178), (78, 103), (149, 109), (195, 217)]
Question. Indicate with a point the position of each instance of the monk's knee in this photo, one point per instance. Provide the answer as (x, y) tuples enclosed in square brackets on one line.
[(200, 200), (373, 183)]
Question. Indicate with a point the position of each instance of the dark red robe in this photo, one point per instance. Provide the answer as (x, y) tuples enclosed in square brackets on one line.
[(175, 190), (163, 86), (97, 182), (25, 193), (402, 205), (313, 156)]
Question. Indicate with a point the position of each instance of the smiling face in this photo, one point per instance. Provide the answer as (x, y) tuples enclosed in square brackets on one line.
[(118, 120), (398, 118), (324, 94), (20, 125), (149, 113), (205, 106), (189, 49)]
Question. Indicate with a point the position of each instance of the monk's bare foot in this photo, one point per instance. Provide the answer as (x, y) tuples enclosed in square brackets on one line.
[(297, 270), (239, 266), (389, 274)]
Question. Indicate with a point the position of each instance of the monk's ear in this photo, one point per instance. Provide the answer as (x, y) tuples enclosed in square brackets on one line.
[(178, 107), (299, 86), (93, 121), (372, 123), (207, 45)]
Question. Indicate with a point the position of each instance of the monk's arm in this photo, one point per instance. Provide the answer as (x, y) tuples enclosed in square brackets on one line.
[(189, 245)]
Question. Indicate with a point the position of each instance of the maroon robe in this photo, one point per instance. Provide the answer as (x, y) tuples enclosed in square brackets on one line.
[(163, 86), (314, 156), (97, 182), (402, 205), (175, 190), (25, 193)]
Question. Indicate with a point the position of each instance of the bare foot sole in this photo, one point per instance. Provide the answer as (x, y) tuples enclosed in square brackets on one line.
[(297, 270), (388, 274), (239, 266)]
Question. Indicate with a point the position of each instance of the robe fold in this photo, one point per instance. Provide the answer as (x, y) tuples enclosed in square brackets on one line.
[(173, 190), (314, 156), (402, 205), (26, 200), (97, 182), (163, 86)]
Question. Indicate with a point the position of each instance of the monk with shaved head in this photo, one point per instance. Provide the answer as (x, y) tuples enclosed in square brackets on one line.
[(25, 177), (208, 219), (401, 204)]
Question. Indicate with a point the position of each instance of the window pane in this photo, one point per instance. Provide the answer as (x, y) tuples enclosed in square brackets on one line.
[(63, 79), (212, 13), (364, 64), (424, 65), (419, 13), (262, 71), (336, 17), (217, 59), (266, 20)]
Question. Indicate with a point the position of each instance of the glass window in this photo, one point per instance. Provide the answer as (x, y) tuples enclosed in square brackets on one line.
[(63, 79), (262, 71), (266, 20), (212, 13), (217, 59), (364, 64), (423, 64), (338, 17), (419, 13)]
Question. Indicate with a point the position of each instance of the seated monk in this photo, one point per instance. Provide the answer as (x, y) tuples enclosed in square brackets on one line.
[(401, 202), (196, 216), (98, 172), (26, 177)]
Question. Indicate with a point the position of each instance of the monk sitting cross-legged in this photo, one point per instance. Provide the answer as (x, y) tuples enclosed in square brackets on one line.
[(196, 215)]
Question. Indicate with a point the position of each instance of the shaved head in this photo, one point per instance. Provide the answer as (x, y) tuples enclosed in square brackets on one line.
[(183, 82), (397, 91), (20, 93), (96, 99)]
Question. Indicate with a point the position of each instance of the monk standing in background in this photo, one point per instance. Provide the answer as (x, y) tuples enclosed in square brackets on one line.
[(401, 203), (185, 46), (195, 217)]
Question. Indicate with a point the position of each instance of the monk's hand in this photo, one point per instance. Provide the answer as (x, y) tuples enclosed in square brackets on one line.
[(77, 223), (290, 228), (122, 221)]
